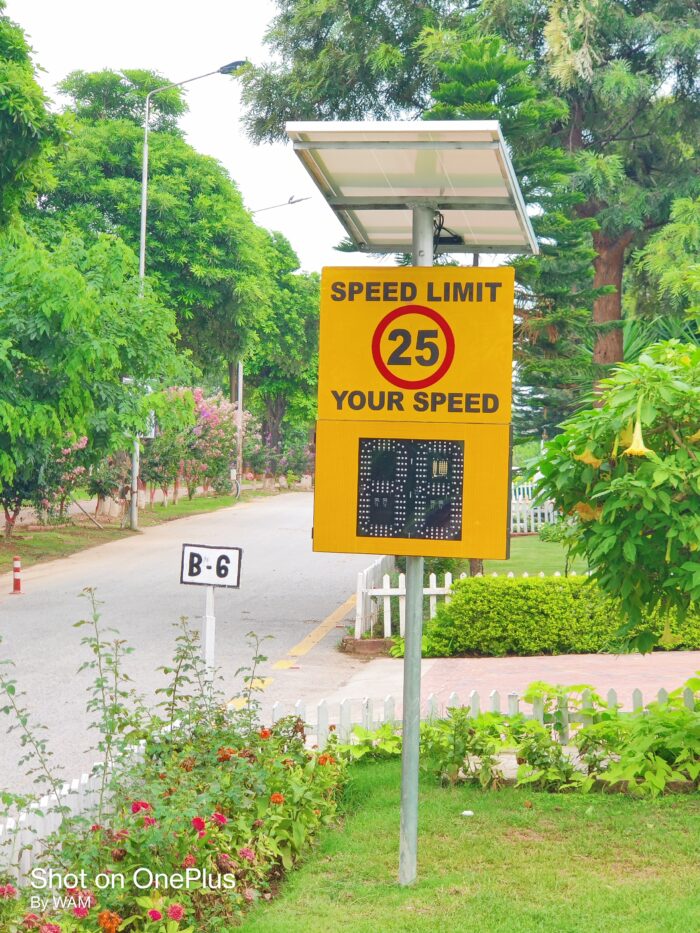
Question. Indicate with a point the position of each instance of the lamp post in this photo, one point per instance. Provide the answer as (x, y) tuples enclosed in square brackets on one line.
[(224, 70)]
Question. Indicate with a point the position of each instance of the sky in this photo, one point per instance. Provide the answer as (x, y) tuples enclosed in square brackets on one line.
[(181, 39)]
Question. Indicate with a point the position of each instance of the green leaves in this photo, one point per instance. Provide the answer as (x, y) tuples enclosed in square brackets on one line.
[(642, 542)]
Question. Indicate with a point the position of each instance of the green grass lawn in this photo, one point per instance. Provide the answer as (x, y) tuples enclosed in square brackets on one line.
[(34, 547), (529, 554), (524, 863)]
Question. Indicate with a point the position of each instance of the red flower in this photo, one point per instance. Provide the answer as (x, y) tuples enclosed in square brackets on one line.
[(95, 828), (277, 798), (31, 921), (121, 834), (198, 824), (219, 818), (265, 733), (189, 861), (81, 912), (247, 854), (155, 915), (139, 805), (50, 928), (7, 891), (176, 912), (225, 753)]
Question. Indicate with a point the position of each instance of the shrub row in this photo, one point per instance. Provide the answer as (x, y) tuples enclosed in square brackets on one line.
[(494, 617)]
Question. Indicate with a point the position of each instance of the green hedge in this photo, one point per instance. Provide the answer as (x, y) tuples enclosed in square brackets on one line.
[(494, 617)]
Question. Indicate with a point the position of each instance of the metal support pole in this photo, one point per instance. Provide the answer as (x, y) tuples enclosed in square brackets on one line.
[(134, 503), (239, 425), (408, 845), (209, 632)]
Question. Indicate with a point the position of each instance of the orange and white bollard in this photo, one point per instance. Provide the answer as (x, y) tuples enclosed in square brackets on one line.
[(16, 575)]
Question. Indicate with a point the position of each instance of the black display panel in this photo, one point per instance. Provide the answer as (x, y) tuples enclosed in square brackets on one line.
[(410, 489)]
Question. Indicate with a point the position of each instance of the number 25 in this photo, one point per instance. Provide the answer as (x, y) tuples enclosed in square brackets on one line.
[(424, 341)]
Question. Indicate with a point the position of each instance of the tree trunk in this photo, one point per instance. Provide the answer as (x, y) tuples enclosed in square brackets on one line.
[(274, 413), (10, 519), (476, 566), (609, 264)]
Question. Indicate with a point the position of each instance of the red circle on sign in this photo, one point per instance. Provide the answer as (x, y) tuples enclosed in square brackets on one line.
[(446, 332)]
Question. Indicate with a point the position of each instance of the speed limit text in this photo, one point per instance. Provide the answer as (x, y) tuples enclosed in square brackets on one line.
[(410, 291)]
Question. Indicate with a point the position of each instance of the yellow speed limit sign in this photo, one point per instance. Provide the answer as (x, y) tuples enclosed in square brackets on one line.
[(414, 403), (416, 344)]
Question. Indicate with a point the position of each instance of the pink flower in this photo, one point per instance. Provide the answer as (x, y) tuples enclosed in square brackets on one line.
[(198, 824), (189, 861), (31, 921), (155, 915), (139, 805), (247, 854), (176, 912), (95, 828), (7, 891), (121, 834), (220, 819), (149, 821), (249, 895), (50, 928), (81, 912)]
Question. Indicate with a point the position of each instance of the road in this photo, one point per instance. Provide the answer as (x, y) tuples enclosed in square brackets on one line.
[(286, 590)]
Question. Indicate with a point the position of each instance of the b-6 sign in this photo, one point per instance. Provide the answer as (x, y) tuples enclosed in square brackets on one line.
[(414, 404), (204, 565)]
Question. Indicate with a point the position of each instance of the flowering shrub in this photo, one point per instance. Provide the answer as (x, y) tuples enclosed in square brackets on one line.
[(198, 826), (64, 470), (628, 474)]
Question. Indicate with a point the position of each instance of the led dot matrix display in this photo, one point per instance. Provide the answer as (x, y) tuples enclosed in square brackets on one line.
[(410, 489)]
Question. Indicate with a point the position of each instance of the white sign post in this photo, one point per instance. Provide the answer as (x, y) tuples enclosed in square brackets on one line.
[(205, 565)]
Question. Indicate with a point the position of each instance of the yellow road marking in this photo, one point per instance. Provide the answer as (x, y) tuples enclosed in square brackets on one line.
[(306, 644), (302, 648)]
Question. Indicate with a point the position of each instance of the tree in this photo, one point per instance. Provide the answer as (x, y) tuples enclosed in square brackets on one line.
[(627, 71), (628, 472), (205, 256), (483, 80), (72, 326), (121, 95), (671, 258), (283, 361), (629, 75), (340, 60), (27, 129)]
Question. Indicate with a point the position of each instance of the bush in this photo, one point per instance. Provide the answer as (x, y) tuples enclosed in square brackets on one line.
[(437, 565), (494, 617), (203, 821)]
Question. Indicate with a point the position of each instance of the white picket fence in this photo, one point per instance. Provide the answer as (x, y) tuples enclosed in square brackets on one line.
[(322, 721), (371, 600), (528, 519), (368, 580), (23, 837), (522, 491)]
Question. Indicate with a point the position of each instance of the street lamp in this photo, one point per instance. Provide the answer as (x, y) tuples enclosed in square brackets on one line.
[(224, 70)]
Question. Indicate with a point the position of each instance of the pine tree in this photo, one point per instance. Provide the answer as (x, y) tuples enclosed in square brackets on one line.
[(484, 80)]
